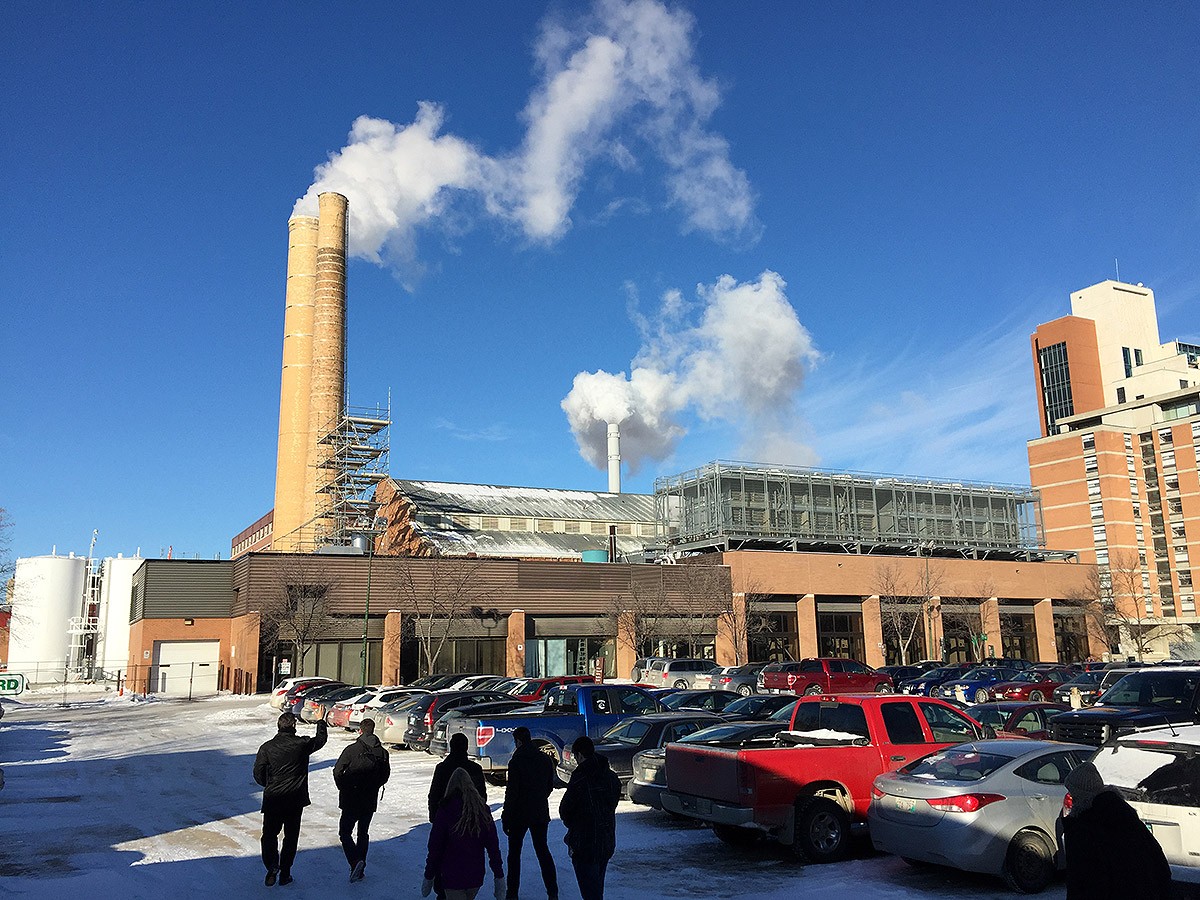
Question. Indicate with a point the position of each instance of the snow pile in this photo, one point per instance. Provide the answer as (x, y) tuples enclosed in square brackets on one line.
[(820, 737)]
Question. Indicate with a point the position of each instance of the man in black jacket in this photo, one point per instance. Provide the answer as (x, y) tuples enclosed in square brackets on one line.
[(1109, 851), (281, 767), (456, 759), (589, 810), (361, 770), (527, 808)]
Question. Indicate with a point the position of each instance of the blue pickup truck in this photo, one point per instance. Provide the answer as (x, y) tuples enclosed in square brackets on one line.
[(570, 711)]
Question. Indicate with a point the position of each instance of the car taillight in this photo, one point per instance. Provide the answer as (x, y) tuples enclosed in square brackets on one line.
[(429, 718), (964, 803), (725, 679), (876, 793), (483, 734), (387, 720), (1068, 804)]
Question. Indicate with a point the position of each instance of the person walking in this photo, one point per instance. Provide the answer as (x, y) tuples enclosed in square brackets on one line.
[(1110, 853), (456, 759), (361, 770), (589, 810), (281, 767), (527, 809), (463, 831)]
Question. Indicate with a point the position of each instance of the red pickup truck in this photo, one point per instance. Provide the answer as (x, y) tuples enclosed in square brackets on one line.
[(813, 787), (826, 675)]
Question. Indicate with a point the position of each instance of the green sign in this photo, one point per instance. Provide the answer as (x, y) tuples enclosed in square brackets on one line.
[(11, 684)]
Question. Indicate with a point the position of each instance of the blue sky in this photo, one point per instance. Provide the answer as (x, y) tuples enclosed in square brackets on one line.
[(821, 233)]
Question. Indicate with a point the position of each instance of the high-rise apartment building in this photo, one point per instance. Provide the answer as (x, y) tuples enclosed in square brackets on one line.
[(1116, 465)]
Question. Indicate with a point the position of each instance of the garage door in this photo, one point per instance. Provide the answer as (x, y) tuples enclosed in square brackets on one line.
[(183, 668)]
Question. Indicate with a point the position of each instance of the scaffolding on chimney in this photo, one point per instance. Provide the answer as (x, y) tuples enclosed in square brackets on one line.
[(357, 460)]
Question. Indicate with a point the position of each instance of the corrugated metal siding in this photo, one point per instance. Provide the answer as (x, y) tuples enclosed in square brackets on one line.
[(137, 604), (175, 589), (532, 503)]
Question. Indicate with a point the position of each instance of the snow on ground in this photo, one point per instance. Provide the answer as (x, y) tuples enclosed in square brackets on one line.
[(109, 796)]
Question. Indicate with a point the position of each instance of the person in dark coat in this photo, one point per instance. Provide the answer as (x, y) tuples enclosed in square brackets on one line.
[(589, 810), (281, 767), (361, 770), (456, 759), (463, 831), (527, 808), (1110, 853)]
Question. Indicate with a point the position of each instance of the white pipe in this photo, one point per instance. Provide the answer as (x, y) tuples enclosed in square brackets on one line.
[(614, 458)]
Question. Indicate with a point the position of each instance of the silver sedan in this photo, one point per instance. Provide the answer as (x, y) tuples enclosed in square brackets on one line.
[(986, 806)]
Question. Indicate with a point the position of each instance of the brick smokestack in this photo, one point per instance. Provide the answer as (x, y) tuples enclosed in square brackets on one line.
[(329, 341), (295, 383)]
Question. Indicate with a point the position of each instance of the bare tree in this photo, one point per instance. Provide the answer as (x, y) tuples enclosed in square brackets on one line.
[(692, 615), (744, 620), (900, 612), (964, 618), (635, 618), (299, 608), (1114, 600), (6, 561), (432, 593)]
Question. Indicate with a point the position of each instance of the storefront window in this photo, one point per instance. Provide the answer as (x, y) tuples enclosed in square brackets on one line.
[(569, 656), (840, 634)]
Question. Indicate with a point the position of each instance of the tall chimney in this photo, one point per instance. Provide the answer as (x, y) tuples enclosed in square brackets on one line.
[(614, 458), (292, 462), (329, 342)]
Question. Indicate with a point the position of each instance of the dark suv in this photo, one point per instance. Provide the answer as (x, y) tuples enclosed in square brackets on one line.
[(423, 714), (1146, 697)]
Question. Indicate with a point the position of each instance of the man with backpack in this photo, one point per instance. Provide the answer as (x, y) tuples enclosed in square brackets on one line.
[(361, 770), (527, 809)]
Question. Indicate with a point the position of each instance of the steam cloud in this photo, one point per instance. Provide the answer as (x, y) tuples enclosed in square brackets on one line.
[(742, 362), (625, 73)]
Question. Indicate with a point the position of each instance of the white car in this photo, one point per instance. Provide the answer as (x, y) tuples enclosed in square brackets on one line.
[(284, 686), (1158, 771)]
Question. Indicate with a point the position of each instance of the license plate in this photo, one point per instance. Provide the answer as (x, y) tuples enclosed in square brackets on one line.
[(904, 804)]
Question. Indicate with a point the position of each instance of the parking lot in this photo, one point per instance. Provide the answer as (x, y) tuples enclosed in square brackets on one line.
[(115, 796)]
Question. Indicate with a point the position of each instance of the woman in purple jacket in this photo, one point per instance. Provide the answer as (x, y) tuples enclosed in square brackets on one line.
[(462, 831)]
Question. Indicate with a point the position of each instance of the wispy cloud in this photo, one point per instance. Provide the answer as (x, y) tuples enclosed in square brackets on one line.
[(488, 434)]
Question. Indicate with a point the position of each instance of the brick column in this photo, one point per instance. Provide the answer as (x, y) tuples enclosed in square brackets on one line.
[(1043, 623), (989, 614), (872, 631), (515, 654), (806, 626), (731, 634), (390, 672), (627, 650)]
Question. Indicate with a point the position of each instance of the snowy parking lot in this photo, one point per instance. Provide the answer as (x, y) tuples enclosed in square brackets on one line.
[(114, 797)]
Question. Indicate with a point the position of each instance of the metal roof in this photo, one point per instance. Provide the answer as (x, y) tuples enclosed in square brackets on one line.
[(527, 502), (521, 544)]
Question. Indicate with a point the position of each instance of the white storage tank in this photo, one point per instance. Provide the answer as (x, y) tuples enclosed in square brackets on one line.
[(116, 590), (47, 593)]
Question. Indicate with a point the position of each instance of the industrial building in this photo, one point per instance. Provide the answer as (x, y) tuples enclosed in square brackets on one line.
[(1116, 463)]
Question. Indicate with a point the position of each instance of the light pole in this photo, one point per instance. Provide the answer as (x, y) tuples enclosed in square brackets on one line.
[(377, 523)]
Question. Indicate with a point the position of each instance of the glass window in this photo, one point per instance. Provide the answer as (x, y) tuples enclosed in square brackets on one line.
[(818, 714), (948, 725), (600, 703), (901, 723), (854, 667), (680, 730), (811, 665), (1031, 721), (957, 765), (629, 732), (836, 666), (634, 701), (1050, 769)]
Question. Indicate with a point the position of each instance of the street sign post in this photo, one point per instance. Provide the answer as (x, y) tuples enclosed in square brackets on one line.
[(11, 684)]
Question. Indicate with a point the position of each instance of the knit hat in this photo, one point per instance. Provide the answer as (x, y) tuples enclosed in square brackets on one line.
[(1083, 784)]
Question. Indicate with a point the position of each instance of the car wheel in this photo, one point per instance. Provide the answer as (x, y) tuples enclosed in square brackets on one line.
[(822, 831), (883, 688), (736, 837), (1037, 696), (744, 690), (551, 751), (812, 689), (680, 685), (1029, 864), (981, 696)]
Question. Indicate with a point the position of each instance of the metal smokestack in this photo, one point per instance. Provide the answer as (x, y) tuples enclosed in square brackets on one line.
[(296, 380), (329, 341), (614, 458)]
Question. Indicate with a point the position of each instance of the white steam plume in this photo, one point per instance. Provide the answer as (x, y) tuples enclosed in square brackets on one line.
[(741, 360), (621, 80)]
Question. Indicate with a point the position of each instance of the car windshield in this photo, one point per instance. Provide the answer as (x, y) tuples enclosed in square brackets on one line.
[(1166, 690), (1030, 677), (629, 732), (1088, 678), (985, 673), (748, 706), (941, 673), (956, 764), (714, 734), (989, 715), (677, 700), (784, 713)]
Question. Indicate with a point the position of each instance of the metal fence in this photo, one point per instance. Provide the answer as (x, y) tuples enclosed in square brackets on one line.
[(191, 680)]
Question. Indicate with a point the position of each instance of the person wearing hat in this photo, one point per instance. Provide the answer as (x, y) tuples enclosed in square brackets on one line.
[(1109, 851), (281, 767), (589, 810)]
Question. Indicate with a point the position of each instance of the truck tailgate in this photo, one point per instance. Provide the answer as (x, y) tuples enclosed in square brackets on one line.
[(712, 772)]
